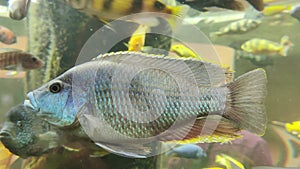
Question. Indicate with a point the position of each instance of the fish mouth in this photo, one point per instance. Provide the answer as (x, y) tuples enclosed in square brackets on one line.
[(31, 103), (4, 134)]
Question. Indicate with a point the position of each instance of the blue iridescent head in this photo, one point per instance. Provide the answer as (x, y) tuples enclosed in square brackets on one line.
[(55, 102)]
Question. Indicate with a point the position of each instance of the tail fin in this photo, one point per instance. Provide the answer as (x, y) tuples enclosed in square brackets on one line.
[(245, 103), (285, 45)]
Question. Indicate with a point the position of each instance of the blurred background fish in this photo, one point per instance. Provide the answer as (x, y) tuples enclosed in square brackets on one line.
[(276, 9), (184, 52), (18, 8), (7, 36), (263, 46), (187, 151), (228, 162), (137, 40), (110, 10), (240, 26), (25, 135), (15, 59)]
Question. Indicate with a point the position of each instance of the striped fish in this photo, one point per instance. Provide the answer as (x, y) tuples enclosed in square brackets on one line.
[(113, 9), (14, 59), (240, 26), (263, 46)]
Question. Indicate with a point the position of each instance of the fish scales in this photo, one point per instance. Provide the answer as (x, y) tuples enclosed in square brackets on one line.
[(122, 96), (143, 100)]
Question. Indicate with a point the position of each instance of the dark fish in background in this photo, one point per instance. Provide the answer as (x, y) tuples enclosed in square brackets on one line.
[(18, 8), (25, 135), (7, 36), (15, 59), (228, 4), (95, 94), (296, 13)]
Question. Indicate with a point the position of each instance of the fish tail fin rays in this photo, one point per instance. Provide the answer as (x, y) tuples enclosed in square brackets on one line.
[(245, 104), (286, 44)]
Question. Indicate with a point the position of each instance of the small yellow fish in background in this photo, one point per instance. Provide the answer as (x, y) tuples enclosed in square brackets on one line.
[(263, 46), (293, 127), (6, 157), (137, 40), (184, 52), (213, 168), (240, 26), (276, 9), (228, 162)]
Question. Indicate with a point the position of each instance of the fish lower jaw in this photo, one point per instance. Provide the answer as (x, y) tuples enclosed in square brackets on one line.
[(28, 103)]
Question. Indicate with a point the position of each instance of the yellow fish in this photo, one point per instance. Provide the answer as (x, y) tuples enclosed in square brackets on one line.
[(185, 52), (276, 9), (228, 162), (213, 168), (6, 157), (137, 40), (263, 46), (113, 9), (240, 26), (293, 127)]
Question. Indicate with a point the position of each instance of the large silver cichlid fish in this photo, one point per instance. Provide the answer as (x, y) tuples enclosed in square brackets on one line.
[(127, 101)]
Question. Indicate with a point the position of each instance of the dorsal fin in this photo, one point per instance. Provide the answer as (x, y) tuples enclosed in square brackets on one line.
[(206, 74)]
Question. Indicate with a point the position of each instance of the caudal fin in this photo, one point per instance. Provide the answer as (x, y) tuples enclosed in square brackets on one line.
[(245, 105), (285, 45)]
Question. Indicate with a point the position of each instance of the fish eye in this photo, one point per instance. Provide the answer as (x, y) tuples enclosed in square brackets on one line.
[(55, 87), (33, 59), (19, 124), (158, 5)]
